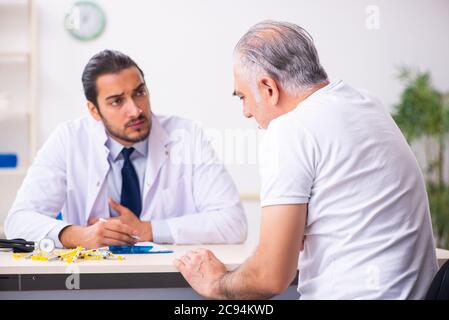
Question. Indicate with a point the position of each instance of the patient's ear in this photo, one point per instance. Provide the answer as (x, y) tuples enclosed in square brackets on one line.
[(93, 110), (269, 90)]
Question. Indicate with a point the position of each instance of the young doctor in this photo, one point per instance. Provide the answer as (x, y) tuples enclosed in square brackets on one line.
[(124, 174)]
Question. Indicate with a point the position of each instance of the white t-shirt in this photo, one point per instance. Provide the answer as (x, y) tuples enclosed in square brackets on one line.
[(368, 230)]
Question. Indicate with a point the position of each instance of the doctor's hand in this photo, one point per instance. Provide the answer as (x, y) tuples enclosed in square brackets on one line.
[(203, 271), (102, 233), (143, 228)]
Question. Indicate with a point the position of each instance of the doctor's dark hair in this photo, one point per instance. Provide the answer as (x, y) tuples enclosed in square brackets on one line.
[(104, 62)]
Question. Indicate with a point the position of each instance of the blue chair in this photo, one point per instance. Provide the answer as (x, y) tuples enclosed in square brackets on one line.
[(439, 288)]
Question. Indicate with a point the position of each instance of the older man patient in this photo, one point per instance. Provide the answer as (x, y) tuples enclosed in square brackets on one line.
[(342, 196)]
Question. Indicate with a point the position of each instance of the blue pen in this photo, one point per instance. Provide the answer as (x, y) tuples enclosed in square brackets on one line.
[(130, 249), (136, 250)]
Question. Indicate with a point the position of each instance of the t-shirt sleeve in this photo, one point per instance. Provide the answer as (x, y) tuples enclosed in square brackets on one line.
[(286, 162)]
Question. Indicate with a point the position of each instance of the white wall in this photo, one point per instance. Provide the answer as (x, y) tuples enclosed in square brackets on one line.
[(185, 49)]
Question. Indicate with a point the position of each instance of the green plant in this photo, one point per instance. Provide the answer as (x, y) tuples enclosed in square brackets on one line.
[(423, 115)]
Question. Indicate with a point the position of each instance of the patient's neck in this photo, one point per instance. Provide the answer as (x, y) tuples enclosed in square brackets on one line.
[(292, 101)]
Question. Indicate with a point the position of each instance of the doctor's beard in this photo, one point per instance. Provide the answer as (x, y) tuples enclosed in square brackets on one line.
[(144, 131)]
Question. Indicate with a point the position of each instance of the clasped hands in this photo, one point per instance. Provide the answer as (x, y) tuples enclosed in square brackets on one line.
[(125, 229)]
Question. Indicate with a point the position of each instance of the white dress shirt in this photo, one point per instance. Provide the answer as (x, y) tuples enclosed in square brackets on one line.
[(160, 229)]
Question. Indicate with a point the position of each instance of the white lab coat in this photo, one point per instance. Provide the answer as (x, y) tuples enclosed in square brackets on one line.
[(184, 184)]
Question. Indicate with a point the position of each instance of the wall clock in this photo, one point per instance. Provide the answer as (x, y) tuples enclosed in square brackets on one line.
[(85, 20)]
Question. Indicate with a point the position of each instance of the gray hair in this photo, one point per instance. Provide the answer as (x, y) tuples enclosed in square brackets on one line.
[(284, 51)]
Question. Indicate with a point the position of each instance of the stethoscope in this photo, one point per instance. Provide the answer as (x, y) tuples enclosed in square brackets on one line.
[(21, 245)]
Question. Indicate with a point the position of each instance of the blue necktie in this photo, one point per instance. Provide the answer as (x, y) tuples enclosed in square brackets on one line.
[(130, 196)]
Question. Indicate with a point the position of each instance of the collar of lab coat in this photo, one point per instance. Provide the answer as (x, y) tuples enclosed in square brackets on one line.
[(115, 149), (158, 142)]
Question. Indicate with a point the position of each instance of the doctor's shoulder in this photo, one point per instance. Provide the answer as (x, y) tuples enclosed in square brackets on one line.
[(177, 127), (63, 142), (171, 122), (74, 131), (74, 126), (187, 137)]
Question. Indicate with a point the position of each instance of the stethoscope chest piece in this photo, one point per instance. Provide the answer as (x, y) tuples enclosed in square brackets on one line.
[(46, 245)]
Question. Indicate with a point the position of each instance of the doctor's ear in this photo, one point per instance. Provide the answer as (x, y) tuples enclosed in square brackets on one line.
[(93, 110), (269, 90)]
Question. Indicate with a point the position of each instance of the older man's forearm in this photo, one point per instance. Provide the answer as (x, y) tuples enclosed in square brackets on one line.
[(246, 283)]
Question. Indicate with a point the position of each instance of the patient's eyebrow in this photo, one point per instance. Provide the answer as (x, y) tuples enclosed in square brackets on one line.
[(237, 93)]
